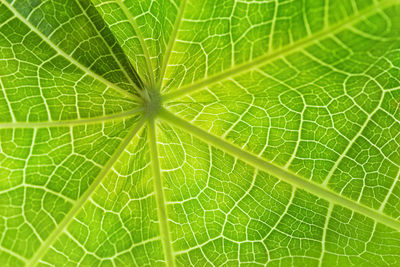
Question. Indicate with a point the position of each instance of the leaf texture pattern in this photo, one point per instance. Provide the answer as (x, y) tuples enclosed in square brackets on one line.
[(199, 133)]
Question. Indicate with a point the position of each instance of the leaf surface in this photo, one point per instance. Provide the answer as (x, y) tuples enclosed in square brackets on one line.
[(199, 133)]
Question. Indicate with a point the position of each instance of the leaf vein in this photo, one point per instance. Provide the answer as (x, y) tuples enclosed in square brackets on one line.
[(68, 123), (259, 61), (65, 55), (160, 198), (280, 172), (81, 201)]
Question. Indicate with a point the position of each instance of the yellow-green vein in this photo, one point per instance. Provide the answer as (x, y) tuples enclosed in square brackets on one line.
[(257, 62), (135, 27), (161, 207), (67, 123), (65, 55), (85, 196), (171, 43), (279, 172)]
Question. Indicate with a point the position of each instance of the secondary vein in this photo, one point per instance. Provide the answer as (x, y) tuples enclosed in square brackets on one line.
[(12, 253), (279, 172)]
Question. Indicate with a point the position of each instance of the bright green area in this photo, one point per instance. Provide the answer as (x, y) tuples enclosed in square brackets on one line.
[(199, 133)]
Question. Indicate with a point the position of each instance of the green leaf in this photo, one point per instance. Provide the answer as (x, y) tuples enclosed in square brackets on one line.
[(199, 133)]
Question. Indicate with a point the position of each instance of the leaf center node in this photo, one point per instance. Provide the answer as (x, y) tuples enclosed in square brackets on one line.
[(151, 102)]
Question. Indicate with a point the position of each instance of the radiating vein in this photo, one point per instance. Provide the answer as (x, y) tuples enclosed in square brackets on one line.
[(124, 70), (257, 62), (171, 42), (279, 172), (65, 55), (135, 27), (161, 206), (67, 123), (78, 204)]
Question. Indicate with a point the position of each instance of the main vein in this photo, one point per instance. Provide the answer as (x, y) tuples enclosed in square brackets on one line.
[(81, 201), (113, 54), (279, 172), (161, 206), (135, 27), (171, 43), (259, 61), (65, 55), (67, 123)]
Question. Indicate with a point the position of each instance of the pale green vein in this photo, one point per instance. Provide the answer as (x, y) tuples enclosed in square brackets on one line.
[(65, 55), (67, 123), (7, 101), (161, 206), (171, 43), (352, 141), (299, 45), (12, 253), (323, 241), (279, 172), (85, 196), (135, 27), (390, 192)]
